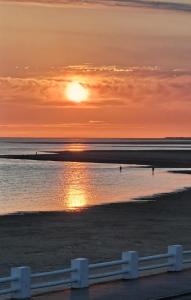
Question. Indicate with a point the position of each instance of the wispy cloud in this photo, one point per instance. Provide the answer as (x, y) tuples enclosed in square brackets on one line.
[(166, 5), (129, 100), (108, 86), (177, 6)]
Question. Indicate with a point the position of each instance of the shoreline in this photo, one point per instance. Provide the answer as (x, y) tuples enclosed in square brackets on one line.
[(49, 240), (155, 158), (137, 200)]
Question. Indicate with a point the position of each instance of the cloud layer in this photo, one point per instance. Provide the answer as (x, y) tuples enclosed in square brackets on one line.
[(128, 101), (175, 6), (108, 86)]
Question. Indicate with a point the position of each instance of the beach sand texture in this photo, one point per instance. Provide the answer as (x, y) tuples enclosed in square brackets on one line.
[(48, 241)]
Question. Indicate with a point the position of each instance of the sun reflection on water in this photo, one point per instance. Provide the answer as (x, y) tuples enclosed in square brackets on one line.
[(76, 147), (76, 199), (74, 186), (75, 194)]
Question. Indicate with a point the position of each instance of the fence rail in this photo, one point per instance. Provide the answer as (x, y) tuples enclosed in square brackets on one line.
[(20, 284), (57, 272)]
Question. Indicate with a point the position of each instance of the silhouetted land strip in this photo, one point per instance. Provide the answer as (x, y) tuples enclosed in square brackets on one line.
[(181, 172), (156, 158)]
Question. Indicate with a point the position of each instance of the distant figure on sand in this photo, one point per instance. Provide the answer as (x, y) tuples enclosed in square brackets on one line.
[(120, 168), (153, 170)]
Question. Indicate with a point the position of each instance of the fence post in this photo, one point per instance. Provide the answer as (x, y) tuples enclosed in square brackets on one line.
[(176, 258), (80, 274), (22, 284), (132, 266)]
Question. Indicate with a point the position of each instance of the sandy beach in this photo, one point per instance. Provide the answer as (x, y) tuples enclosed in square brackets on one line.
[(49, 240), (157, 158)]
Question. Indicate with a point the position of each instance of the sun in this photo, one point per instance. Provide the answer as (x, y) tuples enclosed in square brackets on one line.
[(76, 92)]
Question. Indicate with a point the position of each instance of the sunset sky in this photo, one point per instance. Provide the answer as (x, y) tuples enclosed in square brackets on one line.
[(132, 60)]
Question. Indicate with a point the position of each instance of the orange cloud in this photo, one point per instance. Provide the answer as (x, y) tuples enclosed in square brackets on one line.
[(123, 102), (109, 86)]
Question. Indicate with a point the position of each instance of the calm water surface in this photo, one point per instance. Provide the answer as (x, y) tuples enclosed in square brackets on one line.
[(52, 186), (30, 146), (47, 186)]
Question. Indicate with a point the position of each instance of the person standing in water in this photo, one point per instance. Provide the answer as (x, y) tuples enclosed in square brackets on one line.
[(120, 168), (153, 170)]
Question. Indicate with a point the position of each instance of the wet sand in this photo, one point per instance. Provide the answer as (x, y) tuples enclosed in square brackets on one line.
[(156, 158), (47, 241)]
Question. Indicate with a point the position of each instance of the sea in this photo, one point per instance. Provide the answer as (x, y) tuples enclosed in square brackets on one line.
[(38, 186)]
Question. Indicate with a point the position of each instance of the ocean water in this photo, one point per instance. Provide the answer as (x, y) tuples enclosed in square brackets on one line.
[(53, 186), (30, 146)]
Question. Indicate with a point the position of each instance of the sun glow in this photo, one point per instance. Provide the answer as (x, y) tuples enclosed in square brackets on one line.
[(76, 201), (76, 92)]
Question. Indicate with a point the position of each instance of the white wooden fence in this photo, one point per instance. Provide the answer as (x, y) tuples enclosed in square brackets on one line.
[(22, 282)]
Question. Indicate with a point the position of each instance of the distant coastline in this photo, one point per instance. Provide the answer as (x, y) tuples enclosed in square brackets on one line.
[(165, 140)]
